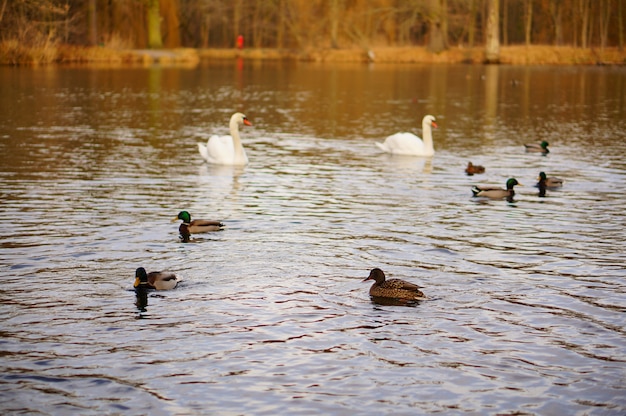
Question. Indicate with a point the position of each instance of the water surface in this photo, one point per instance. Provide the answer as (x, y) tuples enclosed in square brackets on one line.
[(526, 299)]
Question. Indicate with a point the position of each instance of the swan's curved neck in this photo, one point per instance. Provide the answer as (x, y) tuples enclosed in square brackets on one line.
[(427, 133), (234, 132)]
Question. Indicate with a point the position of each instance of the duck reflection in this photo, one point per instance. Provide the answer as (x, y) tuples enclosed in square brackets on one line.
[(542, 190), (383, 301), (141, 294)]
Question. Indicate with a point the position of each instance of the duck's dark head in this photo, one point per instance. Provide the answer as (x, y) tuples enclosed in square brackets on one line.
[(544, 145), (184, 216), (377, 275), (511, 183), (542, 176), (141, 277)]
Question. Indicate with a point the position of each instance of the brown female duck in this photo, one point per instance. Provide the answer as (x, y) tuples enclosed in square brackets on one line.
[(393, 288), (155, 280), (472, 169)]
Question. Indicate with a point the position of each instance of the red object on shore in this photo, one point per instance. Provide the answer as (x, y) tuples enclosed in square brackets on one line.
[(240, 42)]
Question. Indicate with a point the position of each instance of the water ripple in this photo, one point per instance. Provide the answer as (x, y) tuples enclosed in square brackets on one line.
[(525, 299)]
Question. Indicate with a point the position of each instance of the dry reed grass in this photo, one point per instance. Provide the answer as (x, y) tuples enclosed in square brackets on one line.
[(116, 53)]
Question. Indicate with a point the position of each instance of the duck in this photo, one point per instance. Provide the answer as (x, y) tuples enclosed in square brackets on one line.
[(155, 280), (392, 288), (496, 193), (409, 144), (472, 169), (227, 150), (188, 227), (537, 147), (548, 182)]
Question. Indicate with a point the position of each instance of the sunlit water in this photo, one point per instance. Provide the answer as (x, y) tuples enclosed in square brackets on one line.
[(527, 299)]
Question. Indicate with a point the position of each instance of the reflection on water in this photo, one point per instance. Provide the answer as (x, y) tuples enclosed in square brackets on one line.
[(526, 299)]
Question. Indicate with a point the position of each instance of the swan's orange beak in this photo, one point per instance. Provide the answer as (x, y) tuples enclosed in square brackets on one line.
[(434, 125), (246, 122)]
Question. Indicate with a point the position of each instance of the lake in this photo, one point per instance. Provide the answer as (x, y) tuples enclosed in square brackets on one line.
[(526, 298)]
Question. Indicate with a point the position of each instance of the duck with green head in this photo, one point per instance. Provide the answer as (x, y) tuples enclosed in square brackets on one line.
[(494, 192), (548, 182), (155, 280), (188, 227), (537, 147), (393, 288)]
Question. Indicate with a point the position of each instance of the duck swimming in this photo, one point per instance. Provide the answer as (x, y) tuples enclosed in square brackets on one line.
[(496, 193), (548, 182), (537, 148), (393, 288), (188, 227), (472, 169), (155, 280)]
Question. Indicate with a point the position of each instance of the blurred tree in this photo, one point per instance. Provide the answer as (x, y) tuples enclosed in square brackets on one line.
[(312, 23), (620, 23), (334, 23), (528, 24), (492, 44), (437, 26), (92, 22), (154, 24), (556, 12), (170, 23), (472, 22)]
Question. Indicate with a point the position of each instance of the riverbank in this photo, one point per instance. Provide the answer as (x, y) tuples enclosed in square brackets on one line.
[(11, 53), (510, 55)]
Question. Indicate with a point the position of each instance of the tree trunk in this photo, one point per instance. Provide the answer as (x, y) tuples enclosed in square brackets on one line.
[(505, 22), (154, 24), (171, 13), (280, 30), (556, 11), (472, 23), (236, 19), (437, 23), (605, 13), (92, 25), (528, 12), (492, 45), (334, 23), (620, 25), (584, 30)]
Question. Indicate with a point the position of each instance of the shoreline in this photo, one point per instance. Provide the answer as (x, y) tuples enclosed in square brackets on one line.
[(509, 55)]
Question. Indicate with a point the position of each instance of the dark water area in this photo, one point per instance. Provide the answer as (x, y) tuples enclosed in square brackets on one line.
[(526, 299)]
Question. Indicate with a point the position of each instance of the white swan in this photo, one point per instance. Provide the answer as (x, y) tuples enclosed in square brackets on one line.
[(226, 150), (410, 144)]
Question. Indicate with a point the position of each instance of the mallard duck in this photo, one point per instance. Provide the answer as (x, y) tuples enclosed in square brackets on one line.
[(393, 288), (155, 280), (551, 182), (496, 193), (188, 227), (472, 169), (537, 148)]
